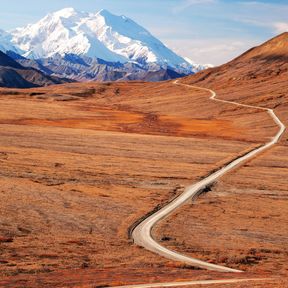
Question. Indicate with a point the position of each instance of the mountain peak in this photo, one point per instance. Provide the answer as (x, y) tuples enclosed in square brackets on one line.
[(102, 35), (112, 18), (66, 12), (5, 42), (104, 12)]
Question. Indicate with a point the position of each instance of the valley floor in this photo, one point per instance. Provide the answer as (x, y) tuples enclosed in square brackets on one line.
[(82, 162)]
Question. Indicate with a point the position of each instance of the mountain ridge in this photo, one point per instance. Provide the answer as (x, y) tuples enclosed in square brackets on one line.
[(257, 77), (97, 35), (14, 75), (97, 46), (275, 47)]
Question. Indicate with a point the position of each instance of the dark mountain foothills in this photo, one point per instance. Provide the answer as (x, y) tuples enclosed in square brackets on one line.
[(88, 69), (14, 75), (262, 62)]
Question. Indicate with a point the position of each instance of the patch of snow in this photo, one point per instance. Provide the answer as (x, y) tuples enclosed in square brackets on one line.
[(198, 67), (6, 44)]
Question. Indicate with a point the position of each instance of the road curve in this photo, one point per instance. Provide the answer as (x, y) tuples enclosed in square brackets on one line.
[(190, 283), (142, 233)]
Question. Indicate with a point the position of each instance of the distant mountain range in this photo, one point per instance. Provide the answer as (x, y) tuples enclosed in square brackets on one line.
[(94, 46), (14, 75)]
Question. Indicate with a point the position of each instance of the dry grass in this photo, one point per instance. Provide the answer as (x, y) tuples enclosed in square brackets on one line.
[(78, 170), (243, 218)]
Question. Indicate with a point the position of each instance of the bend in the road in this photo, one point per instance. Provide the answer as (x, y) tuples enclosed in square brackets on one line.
[(142, 233), (191, 283)]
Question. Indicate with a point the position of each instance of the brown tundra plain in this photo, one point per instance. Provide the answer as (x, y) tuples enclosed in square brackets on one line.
[(81, 163)]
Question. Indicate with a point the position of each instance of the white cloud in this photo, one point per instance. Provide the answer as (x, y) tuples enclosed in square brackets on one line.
[(188, 3), (194, 2), (214, 51), (257, 13), (281, 27)]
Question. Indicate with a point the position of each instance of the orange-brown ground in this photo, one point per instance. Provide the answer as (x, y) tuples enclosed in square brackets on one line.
[(82, 162), (247, 222)]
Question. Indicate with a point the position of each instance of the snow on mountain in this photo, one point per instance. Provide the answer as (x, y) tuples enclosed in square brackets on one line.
[(5, 42), (97, 35), (197, 67)]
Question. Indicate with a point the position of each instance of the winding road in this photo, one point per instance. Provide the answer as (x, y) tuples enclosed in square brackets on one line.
[(189, 283), (142, 233)]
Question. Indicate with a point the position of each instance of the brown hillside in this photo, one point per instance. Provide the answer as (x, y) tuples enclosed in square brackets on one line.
[(80, 163), (275, 49), (242, 218), (267, 63)]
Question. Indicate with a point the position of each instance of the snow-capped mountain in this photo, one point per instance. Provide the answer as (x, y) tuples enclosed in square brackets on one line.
[(94, 46), (6, 42), (97, 35), (197, 67)]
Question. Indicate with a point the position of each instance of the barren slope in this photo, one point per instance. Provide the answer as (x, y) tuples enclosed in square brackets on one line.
[(244, 218), (82, 162)]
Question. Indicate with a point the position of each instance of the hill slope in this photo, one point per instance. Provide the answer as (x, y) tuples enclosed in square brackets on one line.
[(242, 217), (97, 157), (264, 66)]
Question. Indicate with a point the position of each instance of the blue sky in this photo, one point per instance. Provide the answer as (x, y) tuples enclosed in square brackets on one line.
[(206, 31)]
